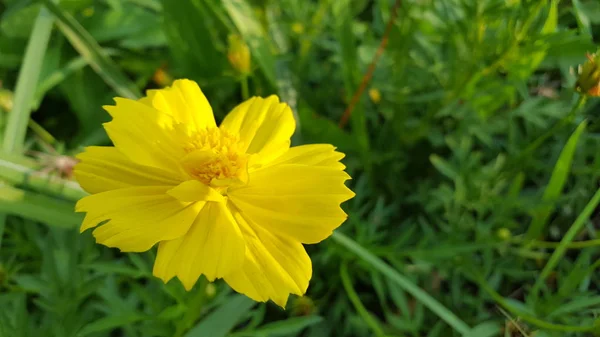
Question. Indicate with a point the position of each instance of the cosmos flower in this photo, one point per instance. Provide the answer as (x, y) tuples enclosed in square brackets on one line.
[(234, 202)]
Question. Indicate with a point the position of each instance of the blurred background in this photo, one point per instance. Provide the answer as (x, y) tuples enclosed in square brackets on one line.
[(474, 161)]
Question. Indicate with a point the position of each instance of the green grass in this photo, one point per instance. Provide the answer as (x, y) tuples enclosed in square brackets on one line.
[(476, 173)]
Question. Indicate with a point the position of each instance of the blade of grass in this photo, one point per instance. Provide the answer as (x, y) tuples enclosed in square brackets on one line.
[(16, 128), (89, 49), (355, 299), (221, 321), (38, 207), (556, 184), (566, 240), (446, 315)]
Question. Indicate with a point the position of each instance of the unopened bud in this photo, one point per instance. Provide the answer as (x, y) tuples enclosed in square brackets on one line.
[(297, 28), (303, 306), (6, 100), (375, 95), (239, 54), (588, 81), (504, 233), (162, 78), (211, 290)]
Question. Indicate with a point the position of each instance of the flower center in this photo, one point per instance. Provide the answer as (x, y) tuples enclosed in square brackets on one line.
[(216, 158)]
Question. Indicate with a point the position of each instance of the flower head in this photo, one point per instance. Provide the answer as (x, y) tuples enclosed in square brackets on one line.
[(233, 202), (588, 81)]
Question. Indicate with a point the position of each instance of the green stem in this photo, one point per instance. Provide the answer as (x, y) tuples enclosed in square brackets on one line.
[(355, 299), (245, 91), (41, 132), (22, 171), (403, 282), (572, 245), (566, 240)]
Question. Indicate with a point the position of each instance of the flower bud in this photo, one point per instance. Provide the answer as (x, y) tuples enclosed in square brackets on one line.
[(375, 95), (588, 81), (504, 234), (239, 54), (297, 28)]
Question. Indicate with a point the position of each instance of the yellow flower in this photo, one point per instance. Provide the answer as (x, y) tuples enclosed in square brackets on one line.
[(233, 202)]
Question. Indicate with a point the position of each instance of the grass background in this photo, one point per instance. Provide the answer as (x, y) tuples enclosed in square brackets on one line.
[(475, 163)]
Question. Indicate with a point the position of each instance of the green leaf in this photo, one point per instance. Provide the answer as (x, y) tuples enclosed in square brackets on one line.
[(221, 321), (567, 238), (110, 323), (255, 36), (561, 171), (486, 329), (582, 19), (193, 39), (419, 294), (552, 19), (89, 49), (443, 167), (29, 74), (288, 327)]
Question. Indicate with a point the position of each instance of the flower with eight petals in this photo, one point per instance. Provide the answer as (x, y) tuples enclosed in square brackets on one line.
[(234, 202)]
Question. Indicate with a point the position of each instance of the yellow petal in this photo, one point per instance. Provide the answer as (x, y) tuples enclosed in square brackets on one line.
[(213, 246), (298, 201), (194, 190), (312, 155), (274, 267), (146, 136), (105, 168), (264, 124), (185, 102), (139, 217)]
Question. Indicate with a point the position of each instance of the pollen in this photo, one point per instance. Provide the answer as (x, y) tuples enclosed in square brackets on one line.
[(216, 158)]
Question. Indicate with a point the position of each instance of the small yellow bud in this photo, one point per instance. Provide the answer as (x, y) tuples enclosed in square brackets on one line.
[(88, 12), (588, 81), (375, 95), (239, 54), (297, 28), (504, 234), (6, 100), (210, 290), (162, 78), (303, 306)]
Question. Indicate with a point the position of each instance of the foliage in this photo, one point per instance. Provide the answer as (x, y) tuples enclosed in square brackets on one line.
[(475, 163)]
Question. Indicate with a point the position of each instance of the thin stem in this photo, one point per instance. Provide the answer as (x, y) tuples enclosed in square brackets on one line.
[(572, 245), (355, 299), (566, 240), (245, 91)]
